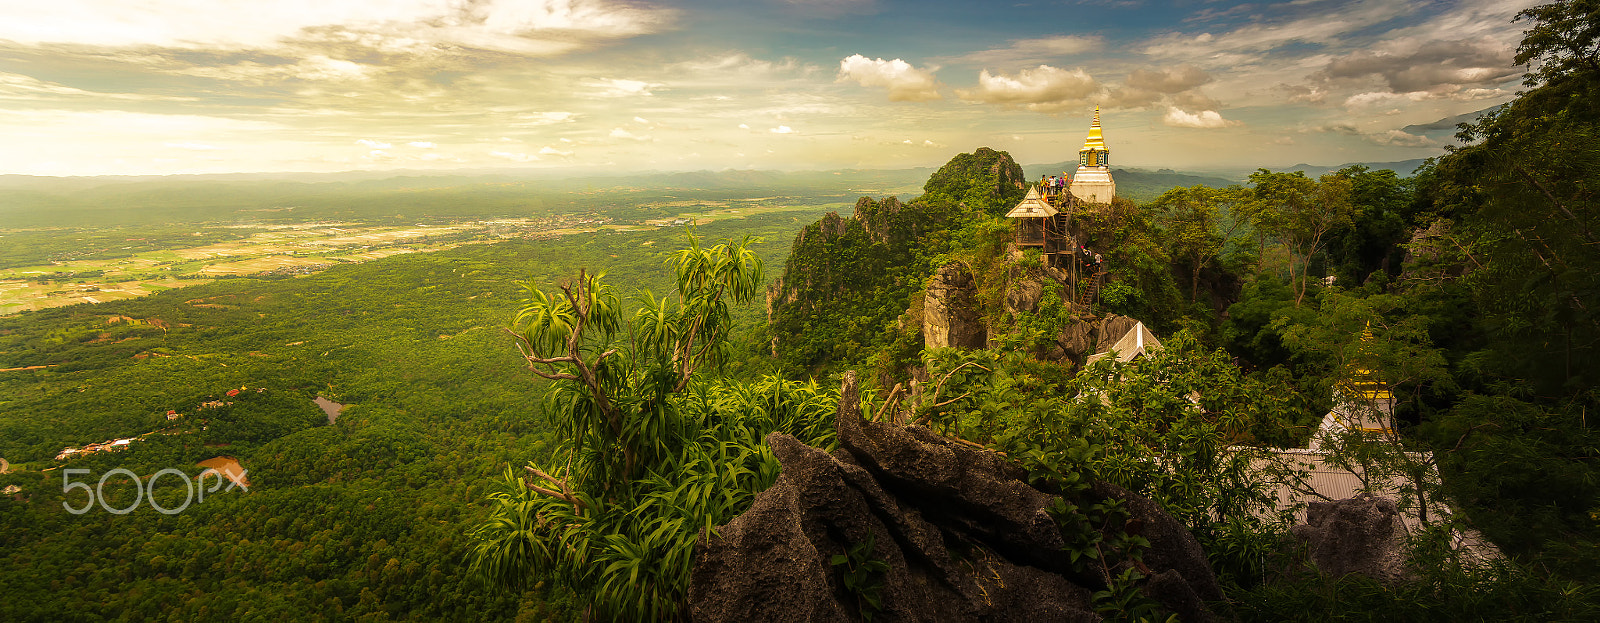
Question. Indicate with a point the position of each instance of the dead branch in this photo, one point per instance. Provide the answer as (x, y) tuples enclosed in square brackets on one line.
[(940, 387), (894, 396), (565, 493)]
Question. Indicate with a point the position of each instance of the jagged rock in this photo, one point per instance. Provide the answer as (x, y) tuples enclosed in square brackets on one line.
[(879, 218), (832, 225), (1079, 340), (1174, 548), (1361, 535), (964, 536), (950, 311)]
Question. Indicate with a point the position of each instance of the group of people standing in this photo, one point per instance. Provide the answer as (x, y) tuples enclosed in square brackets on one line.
[(1054, 184)]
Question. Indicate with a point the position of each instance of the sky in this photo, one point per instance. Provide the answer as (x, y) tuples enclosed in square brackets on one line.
[(141, 87)]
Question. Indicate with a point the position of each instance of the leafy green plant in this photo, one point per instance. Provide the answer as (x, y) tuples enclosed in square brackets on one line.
[(1123, 601), (863, 575), (652, 455)]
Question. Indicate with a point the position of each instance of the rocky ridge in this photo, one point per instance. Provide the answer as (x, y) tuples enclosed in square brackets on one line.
[(964, 536)]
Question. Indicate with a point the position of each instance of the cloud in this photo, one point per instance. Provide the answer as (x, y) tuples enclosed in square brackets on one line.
[(514, 156), (373, 144), (1399, 138), (1340, 127), (312, 68), (1372, 99), (782, 129), (624, 134), (422, 144), (610, 87), (1178, 118), (1148, 86), (1305, 93), (1388, 138), (905, 83), (1043, 89), (1029, 51), (1173, 80), (1434, 66), (535, 119), (539, 27), (21, 87), (1308, 23), (551, 151)]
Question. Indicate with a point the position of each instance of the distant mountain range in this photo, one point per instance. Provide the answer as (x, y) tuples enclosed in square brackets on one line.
[(1444, 130), (1404, 167)]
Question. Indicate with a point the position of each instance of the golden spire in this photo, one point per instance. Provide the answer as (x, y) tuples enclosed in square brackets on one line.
[(1095, 141)]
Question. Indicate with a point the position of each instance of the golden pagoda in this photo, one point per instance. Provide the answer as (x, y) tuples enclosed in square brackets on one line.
[(1092, 182)]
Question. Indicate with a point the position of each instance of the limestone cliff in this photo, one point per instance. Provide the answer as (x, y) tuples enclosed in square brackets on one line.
[(848, 280), (951, 316)]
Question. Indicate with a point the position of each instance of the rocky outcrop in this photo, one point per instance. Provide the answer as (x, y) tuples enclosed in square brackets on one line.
[(951, 316), (880, 218), (1080, 339), (1361, 535), (964, 536), (985, 180)]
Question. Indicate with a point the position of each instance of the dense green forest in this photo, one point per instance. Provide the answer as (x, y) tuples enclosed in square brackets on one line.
[(363, 518)]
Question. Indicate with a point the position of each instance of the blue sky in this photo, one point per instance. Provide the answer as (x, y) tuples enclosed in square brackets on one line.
[(91, 87)]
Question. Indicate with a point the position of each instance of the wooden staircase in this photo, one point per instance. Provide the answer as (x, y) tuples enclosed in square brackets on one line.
[(1088, 295)]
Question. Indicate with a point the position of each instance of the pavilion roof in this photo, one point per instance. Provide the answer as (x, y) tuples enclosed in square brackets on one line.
[(1032, 206)]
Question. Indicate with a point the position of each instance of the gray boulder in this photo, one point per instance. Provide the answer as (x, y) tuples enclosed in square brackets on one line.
[(1362, 535)]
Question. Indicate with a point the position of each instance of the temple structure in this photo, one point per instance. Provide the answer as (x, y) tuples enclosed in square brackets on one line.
[(1092, 182), (1043, 219)]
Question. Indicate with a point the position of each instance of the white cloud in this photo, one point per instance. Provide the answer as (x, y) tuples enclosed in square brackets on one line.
[(613, 87), (373, 144), (422, 144), (551, 151), (744, 126), (905, 82), (624, 134), (522, 26), (1178, 118), (1043, 88), (782, 129), (641, 120), (1399, 138), (514, 156)]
